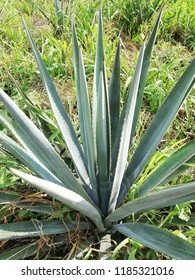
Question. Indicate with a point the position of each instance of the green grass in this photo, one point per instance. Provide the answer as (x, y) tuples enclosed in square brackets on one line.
[(176, 41)]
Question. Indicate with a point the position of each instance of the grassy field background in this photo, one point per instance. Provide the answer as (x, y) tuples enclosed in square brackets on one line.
[(133, 20)]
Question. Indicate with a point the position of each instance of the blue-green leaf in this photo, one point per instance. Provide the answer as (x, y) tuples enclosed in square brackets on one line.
[(99, 67), (168, 167), (22, 202), (157, 128), (37, 153), (125, 135), (158, 239), (164, 198), (28, 159), (145, 66), (61, 117), (103, 144), (34, 248), (84, 111), (68, 197), (36, 228), (114, 94)]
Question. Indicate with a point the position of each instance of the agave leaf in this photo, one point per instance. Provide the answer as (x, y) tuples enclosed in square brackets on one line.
[(64, 195), (29, 250), (25, 140), (158, 239), (126, 134), (180, 170), (29, 204), (175, 221), (38, 207), (100, 80), (167, 168), (21, 252), (114, 94), (99, 68), (157, 128), (36, 228), (43, 119), (32, 159), (164, 198), (8, 198), (102, 133), (144, 72), (61, 117), (84, 110), (29, 160), (172, 221), (32, 138), (102, 141)]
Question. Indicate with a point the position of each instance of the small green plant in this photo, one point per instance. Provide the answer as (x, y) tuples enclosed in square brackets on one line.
[(102, 185)]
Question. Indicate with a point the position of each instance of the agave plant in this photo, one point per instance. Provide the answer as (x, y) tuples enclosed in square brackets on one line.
[(103, 175)]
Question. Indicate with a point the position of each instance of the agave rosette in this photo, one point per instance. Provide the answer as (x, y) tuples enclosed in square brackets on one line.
[(104, 176)]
